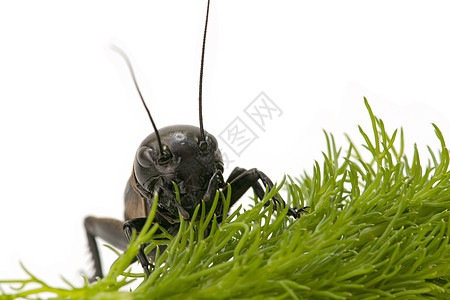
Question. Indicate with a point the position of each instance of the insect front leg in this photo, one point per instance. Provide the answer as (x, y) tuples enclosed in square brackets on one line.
[(136, 225), (110, 230), (241, 180)]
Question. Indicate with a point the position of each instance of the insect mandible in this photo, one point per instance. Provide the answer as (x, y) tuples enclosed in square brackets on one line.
[(186, 155)]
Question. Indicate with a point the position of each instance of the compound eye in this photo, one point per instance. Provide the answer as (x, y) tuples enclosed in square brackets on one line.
[(145, 156), (165, 157)]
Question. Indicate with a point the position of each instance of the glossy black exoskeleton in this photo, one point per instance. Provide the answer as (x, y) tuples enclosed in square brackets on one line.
[(182, 154)]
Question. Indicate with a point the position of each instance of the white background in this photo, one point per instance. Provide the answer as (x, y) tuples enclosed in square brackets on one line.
[(71, 121)]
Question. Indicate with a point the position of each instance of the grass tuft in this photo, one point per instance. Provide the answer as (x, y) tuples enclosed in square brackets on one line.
[(378, 227)]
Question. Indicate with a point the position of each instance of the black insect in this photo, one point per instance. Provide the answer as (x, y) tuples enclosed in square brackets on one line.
[(186, 155)]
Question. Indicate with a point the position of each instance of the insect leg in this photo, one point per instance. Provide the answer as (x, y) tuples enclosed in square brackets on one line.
[(110, 230), (241, 180), (137, 224)]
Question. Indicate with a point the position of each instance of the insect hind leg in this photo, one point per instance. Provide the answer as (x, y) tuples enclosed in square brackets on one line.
[(110, 230)]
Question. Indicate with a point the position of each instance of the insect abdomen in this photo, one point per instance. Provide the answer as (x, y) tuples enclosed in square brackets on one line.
[(134, 203)]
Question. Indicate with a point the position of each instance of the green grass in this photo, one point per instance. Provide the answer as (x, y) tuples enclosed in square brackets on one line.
[(378, 227)]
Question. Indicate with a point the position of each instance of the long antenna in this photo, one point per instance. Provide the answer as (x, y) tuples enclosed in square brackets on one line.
[(130, 67), (200, 111)]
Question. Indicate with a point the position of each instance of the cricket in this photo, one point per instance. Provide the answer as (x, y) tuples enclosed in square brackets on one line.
[(186, 155)]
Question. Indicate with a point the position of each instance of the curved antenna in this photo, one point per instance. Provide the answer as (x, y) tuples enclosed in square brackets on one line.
[(200, 90), (130, 67)]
